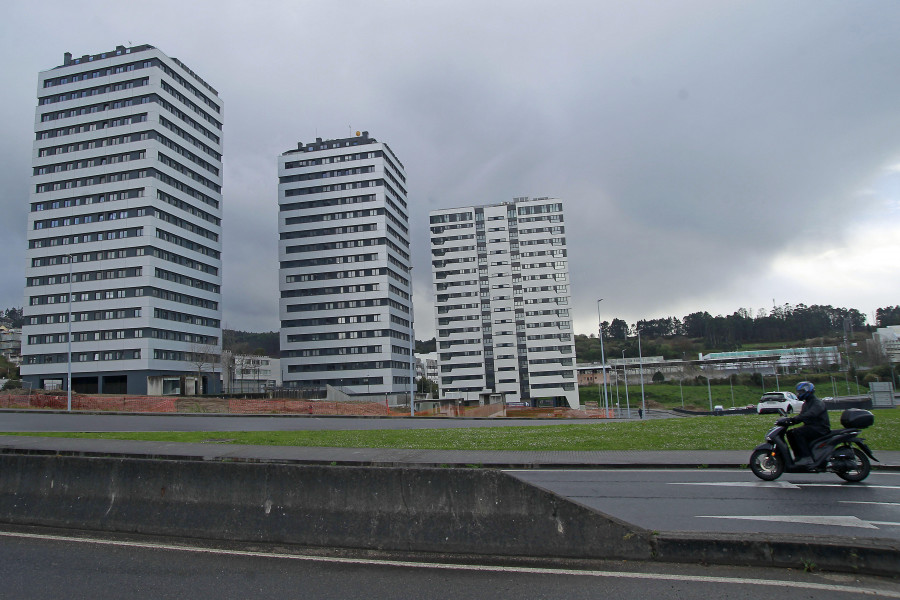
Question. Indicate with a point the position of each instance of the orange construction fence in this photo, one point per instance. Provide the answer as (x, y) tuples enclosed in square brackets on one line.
[(190, 404)]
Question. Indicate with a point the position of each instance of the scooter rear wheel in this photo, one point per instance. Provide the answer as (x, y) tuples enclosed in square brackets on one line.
[(766, 466), (860, 470)]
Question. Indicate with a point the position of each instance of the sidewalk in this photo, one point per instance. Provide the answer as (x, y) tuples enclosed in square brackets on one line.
[(394, 457)]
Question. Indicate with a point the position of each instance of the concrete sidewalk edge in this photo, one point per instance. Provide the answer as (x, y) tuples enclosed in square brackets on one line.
[(809, 553)]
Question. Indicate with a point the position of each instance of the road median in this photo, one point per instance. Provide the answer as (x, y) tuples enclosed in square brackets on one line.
[(464, 511)]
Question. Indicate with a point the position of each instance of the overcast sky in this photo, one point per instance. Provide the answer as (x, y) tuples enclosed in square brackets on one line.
[(711, 155)]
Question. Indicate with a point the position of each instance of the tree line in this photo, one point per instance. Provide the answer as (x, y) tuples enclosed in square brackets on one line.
[(671, 337), (782, 323), (12, 317)]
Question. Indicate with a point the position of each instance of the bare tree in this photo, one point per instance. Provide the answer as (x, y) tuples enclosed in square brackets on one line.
[(203, 354), (227, 365)]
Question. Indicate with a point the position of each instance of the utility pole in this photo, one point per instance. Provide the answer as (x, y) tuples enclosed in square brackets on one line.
[(412, 351), (625, 370), (602, 359), (641, 363), (69, 339)]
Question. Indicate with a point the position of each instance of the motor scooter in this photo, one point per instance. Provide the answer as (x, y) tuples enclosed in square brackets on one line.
[(841, 451)]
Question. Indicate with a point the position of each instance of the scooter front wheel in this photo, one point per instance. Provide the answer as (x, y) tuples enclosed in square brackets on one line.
[(765, 465)]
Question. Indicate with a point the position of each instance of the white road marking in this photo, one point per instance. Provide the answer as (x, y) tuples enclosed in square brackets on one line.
[(864, 486), (489, 568), (611, 469), (783, 484), (775, 484), (837, 521), (885, 523), (868, 502)]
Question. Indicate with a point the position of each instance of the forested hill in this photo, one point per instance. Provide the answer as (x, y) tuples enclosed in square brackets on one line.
[(701, 332), (783, 323), (246, 342)]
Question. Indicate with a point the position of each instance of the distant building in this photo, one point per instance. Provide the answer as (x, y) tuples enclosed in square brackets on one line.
[(501, 280), (344, 272), (11, 344), (124, 228), (249, 373), (887, 340), (427, 367), (816, 356), (591, 373)]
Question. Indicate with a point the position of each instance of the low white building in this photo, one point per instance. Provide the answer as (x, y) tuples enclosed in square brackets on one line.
[(247, 373), (814, 356), (888, 341)]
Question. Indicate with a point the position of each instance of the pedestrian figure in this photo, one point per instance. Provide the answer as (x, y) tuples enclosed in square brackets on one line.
[(641, 412)]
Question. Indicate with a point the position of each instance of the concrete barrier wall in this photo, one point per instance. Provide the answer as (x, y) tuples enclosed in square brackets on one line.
[(477, 511)]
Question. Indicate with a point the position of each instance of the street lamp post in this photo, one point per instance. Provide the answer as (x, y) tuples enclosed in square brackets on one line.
[(69, 340), (412, 351), (602, 359), (625, 370), (617, 391), (641, 364)]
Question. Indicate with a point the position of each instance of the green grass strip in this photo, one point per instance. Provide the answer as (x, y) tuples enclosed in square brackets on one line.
[(733, 432)]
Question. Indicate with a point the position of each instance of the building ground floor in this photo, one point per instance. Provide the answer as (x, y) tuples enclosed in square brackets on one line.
[(132, 383)]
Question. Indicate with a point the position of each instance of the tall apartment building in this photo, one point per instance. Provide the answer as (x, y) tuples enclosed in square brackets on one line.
[(124, 229), (344, 276), (501, 282)]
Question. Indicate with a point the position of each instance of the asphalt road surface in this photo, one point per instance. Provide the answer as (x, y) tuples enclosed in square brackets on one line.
[(37, 565), (41, 421), (734, 500)]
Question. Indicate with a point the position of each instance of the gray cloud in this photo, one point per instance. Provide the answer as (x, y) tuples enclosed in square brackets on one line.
[(693, 143)]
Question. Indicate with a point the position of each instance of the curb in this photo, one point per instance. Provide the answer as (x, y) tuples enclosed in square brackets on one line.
[(847, 555)]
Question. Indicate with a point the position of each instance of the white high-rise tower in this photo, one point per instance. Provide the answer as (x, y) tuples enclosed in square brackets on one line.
[(501, 282), (126, 197), (344, 276)]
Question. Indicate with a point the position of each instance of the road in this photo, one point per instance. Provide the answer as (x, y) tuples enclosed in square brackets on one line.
[(734, 500), (37, 565), (13, 421)]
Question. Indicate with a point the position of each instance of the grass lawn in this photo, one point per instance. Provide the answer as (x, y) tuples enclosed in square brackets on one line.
[(733, 432), (696, 397)]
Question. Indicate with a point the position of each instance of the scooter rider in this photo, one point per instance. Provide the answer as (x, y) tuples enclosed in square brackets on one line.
[(814, 417)]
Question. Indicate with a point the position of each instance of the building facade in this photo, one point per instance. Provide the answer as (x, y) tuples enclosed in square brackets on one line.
[(11, 344), (785, 358), (344, 274), (124, 228), (249, 373), (501, 282), (427, 367), (887, 341)]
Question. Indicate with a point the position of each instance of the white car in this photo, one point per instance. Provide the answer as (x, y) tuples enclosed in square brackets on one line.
[(783, 403)]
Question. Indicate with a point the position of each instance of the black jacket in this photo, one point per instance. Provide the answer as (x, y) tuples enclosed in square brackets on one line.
[(814, 415)]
